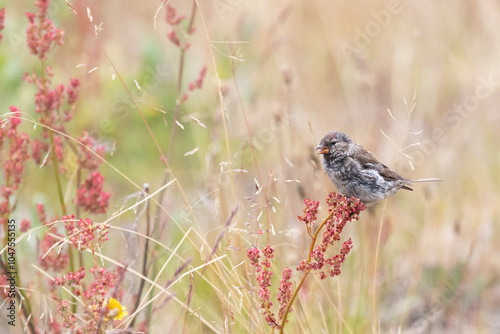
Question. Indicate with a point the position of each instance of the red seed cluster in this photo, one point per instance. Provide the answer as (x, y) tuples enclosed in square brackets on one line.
[(85, 234), (90, 195), (342, 210), (42, 33)]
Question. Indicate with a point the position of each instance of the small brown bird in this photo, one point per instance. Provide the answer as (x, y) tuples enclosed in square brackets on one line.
[(356, 172)]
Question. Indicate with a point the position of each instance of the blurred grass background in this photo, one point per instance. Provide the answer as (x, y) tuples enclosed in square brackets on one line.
[(296, 70)]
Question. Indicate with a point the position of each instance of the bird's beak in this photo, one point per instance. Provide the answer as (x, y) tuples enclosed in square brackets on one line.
[(323, 150)]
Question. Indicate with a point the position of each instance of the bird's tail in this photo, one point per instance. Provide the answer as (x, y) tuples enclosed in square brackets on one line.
[(426, 180)]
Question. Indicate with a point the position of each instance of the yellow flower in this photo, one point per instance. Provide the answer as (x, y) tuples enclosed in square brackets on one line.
[(115, 310)]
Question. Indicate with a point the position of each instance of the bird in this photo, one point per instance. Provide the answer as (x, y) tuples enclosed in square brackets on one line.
[(355, 172)]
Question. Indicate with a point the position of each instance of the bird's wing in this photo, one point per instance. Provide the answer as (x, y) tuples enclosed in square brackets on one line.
[(368, 161)]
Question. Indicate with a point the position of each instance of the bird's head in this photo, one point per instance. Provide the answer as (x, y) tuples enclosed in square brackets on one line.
[(334, 144)]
